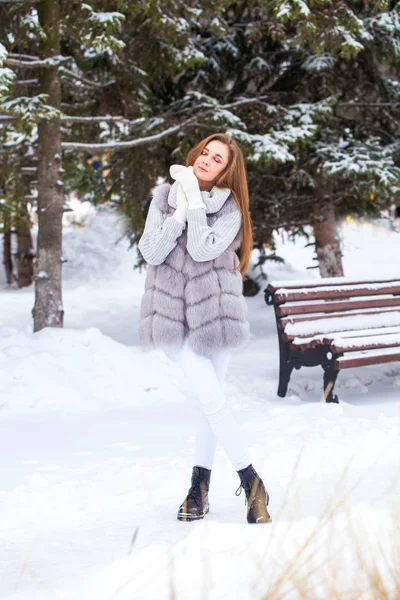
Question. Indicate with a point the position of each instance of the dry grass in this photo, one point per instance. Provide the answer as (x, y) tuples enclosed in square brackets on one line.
[(358, 566), (359, 562)]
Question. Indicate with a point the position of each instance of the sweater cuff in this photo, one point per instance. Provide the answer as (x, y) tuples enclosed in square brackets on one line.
[(174, 227), (196, 216)]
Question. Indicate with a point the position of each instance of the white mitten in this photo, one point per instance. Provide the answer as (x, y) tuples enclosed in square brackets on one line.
[(189, 183), (181, 205)]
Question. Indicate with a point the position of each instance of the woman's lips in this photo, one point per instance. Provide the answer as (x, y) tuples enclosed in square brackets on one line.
[(201, 169)]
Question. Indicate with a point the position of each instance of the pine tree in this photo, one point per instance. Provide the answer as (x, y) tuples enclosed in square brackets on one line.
[(316, 104), (111, 97)]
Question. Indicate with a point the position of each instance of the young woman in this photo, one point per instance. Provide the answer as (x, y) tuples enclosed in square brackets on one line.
[(193, 305)]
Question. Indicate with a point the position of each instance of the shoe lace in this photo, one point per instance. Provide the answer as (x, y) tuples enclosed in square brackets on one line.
[(239, 491), (256, 499), (195, 490)]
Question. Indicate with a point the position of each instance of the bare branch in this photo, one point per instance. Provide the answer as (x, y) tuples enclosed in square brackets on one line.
[(129, 144), (101, 119), (390, 104), (23, 56), (257, 100), (47, 63), (94, 84), (26, 82)]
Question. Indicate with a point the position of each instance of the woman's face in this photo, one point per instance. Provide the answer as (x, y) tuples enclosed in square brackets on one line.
[(210, 163)]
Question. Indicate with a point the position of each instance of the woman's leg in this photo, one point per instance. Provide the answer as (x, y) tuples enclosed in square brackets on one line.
[(206, 442), (201, 371)]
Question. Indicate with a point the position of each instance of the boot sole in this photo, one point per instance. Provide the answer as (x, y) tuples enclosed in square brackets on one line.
[(190, 517)]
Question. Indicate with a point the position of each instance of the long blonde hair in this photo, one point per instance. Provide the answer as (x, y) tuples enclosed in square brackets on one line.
[(234, 178)]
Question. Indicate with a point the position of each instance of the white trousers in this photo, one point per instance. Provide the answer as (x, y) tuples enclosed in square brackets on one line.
[(214, 421)]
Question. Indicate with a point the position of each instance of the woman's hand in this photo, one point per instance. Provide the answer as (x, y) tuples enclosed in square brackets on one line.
[(189, 183)]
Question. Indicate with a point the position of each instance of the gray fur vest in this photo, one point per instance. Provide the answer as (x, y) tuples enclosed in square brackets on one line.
[(201, 301)]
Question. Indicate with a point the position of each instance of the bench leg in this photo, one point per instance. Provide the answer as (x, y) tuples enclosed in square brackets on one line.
[(285, 370), (330, 376)]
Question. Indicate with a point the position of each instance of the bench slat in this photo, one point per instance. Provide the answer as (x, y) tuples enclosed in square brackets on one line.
[(326, 281), (370, 333), (330, 292), (319, 316), (371, 339), (339, 345), (296, 309), (359, 359), (339, 324)]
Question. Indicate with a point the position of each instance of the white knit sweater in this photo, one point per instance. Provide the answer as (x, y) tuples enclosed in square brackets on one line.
[(203, 242)]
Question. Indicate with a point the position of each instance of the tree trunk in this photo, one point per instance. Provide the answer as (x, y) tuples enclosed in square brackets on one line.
[(327, 242), (48, 309), (24, 253), (7, 252)]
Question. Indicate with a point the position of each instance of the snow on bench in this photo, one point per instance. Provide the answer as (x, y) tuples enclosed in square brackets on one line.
[(292, 283), (364, 359), (365, 332), (340, 344), (332, 338), (319, 316), (345, 323), (319, 292)]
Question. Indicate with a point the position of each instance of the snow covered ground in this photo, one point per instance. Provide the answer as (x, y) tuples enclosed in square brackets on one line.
[(96, 446)]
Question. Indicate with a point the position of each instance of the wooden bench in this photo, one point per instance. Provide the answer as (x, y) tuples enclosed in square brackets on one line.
[(337, 323)]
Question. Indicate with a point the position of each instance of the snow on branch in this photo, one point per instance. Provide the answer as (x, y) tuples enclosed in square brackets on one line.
[(128, 144), (355, 160), (385, 28), (26, 82), (104, 19), (47, 63), (102, 26), (23, 56), (7, 76), (259, 100), (31, 109), (289, 9), (103, 119), (3, 54)]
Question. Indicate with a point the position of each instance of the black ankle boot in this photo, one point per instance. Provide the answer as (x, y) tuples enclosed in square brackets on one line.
[(256, 495), (195, 505)]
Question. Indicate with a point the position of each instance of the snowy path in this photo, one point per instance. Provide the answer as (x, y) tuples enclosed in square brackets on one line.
[(96, 442)]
